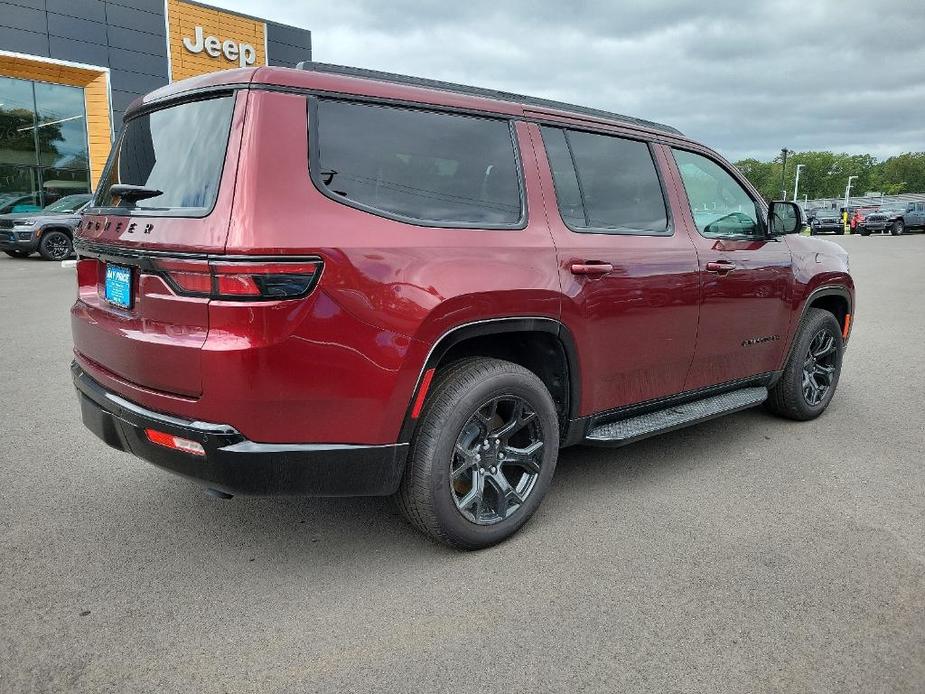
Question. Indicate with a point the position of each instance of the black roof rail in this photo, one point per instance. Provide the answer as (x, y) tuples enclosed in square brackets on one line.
[(478, 91)]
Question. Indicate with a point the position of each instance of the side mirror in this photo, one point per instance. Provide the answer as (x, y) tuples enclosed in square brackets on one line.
[(785, 218)]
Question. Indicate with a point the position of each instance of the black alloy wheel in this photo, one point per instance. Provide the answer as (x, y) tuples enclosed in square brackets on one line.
[(483, 453), (807, 384), (819, 367), (55, 245), (899, 226), (497, 460)]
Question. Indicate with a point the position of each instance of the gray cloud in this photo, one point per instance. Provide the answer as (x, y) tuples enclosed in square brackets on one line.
[(744, 77)]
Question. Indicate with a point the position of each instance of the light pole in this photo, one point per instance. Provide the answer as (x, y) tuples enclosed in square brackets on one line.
[(783, 171), (796, 183), (848, 191)]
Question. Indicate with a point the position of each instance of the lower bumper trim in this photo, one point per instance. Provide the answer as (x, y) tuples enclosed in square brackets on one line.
[(234, 464)]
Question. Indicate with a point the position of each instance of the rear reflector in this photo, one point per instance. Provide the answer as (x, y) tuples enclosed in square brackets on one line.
[(162, 438), (240, 281), (422, 393)]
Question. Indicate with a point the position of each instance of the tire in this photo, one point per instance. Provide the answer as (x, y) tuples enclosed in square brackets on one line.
[(18, 254), (56, 245), (812, 231), (791, 397), (899, 226), (864, 232), (840, 232), (445, 461)]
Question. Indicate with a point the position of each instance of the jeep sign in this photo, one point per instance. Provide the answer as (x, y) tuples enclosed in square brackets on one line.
[(242, 53)]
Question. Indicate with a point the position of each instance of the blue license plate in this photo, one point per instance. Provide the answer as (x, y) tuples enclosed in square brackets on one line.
[(118, 289)]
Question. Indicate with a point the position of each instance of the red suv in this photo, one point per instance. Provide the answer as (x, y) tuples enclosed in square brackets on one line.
[(329, 281)]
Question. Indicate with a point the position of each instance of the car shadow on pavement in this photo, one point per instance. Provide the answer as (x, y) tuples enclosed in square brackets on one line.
[(333, 529)]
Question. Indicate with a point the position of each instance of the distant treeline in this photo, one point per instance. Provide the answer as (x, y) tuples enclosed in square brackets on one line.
[(825, 174)]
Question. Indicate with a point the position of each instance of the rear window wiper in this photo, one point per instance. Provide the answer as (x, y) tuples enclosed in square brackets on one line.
[(128, 192)]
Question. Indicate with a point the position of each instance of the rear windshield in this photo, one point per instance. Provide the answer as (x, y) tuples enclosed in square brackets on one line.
[(179, 151)]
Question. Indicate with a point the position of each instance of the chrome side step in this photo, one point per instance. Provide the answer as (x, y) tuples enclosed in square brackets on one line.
[(634, 428)]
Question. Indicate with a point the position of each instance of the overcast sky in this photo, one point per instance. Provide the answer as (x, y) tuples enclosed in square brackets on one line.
[(744, 77)]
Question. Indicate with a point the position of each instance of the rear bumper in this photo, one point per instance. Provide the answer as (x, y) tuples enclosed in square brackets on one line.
[(234, 464)]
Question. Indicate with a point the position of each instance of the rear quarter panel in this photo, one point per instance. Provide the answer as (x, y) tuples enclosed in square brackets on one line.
[(343, 366)]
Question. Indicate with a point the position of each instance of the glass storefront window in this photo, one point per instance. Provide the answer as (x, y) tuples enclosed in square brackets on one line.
[(44, 153), (17, 121), (62, 126)]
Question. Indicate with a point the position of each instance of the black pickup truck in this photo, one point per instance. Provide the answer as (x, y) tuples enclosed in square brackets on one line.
[(825, 221)]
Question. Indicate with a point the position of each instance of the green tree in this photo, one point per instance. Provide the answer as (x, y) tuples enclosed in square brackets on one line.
[(825, 174)]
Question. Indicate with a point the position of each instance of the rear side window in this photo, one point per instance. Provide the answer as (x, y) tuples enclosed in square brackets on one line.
[(179, 151), (605, 183), (430, 168)]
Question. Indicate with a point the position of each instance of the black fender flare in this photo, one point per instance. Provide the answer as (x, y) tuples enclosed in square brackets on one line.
[(498, 326)]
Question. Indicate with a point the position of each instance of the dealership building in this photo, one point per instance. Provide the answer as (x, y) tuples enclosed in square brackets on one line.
[(70, 68)]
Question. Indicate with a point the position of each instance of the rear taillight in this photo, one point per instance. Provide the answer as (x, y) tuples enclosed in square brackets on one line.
[(252, 280)]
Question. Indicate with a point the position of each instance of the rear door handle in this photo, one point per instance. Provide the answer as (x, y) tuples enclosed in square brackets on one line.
[(592, 267), (721, 267)]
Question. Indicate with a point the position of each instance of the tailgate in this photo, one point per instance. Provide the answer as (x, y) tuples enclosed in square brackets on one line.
[(174, 168)]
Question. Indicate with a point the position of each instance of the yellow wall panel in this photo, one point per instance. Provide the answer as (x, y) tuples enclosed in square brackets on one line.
[(182, 20)]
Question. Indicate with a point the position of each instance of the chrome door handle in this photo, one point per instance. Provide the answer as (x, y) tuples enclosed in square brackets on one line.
[(721, 267), (591, 268)]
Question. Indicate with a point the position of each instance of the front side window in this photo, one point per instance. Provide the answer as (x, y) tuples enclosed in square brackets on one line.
[(605, 183), (438, 169), (721, 206), (179, 151)]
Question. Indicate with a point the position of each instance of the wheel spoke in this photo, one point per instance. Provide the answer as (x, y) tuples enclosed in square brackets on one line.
[(487, 418), (519, 419), (474, 497), (826, 345), (523, 457), (506, 496)]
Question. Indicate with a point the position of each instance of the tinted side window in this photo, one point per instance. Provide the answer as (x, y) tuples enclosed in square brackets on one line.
[(615, 179), (436, 168), (568, 194), (720, 205)]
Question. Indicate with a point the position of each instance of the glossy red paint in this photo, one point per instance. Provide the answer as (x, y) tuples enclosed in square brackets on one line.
[(342, 365)]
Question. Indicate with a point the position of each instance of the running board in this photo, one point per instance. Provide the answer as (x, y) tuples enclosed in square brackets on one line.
[(627, 430)]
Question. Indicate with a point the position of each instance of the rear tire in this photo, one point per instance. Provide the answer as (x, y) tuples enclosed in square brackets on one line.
[(810, 377), (864, 232), (18, 254), (899, 226), (55, 245), (452, 486)]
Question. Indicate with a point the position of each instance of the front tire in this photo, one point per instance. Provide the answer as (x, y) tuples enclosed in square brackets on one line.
[(56, 245), (864, 232), (808, 383), (899, 226), (483, 454)]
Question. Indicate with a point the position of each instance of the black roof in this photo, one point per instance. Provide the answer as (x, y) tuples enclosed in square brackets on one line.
[(487, 93)]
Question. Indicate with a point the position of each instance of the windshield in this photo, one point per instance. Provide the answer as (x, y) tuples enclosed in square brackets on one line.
[(178, 152), (69, 203)]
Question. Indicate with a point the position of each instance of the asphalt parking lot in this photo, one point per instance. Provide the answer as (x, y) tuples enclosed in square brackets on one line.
[(747, 554)]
